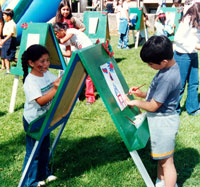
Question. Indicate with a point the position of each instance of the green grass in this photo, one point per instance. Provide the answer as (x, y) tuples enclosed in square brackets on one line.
[(90, 151)]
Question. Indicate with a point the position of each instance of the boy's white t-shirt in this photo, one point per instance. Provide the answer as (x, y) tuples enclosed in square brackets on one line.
[(10, 27), (35, 87), (79, 39)]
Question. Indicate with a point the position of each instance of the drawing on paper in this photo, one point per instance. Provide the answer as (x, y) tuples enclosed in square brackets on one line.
[(113, 83)]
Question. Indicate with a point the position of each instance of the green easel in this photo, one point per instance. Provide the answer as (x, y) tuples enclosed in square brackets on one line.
[(173, 14), (36, 33), (96, 23), (139, 26), (98, 66)]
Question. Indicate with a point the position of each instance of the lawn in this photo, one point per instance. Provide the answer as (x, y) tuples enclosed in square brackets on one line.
[(90, 151)]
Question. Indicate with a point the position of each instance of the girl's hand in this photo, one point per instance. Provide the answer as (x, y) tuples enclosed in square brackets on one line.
[(57, 82)]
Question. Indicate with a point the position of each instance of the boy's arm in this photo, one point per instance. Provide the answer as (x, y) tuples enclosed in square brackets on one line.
[(49, 96), (5, 39), (150, 106)]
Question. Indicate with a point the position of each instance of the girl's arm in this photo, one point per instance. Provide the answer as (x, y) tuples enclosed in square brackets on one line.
[(197, 47), (79, 25), (67, 52), (66, 38), (49, 96)]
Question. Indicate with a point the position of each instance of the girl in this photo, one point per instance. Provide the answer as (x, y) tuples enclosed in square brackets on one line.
[(162, 27), (73, 37), (124, 25), (64, 15), (40, 86), (186, 44)]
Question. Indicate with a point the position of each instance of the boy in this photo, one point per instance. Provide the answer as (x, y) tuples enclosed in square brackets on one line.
[(9, 41), (74, 37), (160, 104)]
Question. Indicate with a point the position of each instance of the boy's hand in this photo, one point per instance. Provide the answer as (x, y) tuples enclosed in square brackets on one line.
[(134, 90), (128, 101)]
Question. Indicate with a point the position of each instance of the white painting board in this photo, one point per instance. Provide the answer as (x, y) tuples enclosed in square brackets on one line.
[(32, 39), (93, 22), (114, 84), (170, 18)]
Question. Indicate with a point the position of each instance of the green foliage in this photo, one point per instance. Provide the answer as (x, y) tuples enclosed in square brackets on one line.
[(90, 151)]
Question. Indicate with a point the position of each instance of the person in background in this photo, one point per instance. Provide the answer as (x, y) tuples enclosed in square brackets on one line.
[(64, 15), (186, 44), (1, 23), (9, 41), (109, 6), (124, 26), (176, 3), (162, 27), (188, 4)]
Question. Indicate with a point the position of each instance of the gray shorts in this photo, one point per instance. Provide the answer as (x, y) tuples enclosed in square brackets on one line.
[(163, 130)]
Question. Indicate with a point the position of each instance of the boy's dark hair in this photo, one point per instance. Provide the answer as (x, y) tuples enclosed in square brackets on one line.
[(59, 16), (157, 49), (9, 12), (58, 26), (33, 53)]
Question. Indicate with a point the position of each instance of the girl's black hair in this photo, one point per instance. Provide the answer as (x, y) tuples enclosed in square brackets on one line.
[(194, 12), (59, 16), (33, 53)]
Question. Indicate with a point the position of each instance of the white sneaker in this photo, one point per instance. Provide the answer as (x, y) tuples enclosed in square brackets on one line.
[(41, 183), (51, 178), (160, 183)]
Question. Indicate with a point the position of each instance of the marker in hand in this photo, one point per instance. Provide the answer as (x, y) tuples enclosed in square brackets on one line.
[(135, 89)]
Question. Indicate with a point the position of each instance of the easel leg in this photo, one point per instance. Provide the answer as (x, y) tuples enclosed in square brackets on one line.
[(141, 168), (29, 163), (56, 139), (133, 32), (145, 32), (137, 39), (14, 93)]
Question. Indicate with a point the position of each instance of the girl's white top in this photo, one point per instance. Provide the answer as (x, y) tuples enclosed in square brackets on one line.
[(124, 10), (186, 37), (35, 87)]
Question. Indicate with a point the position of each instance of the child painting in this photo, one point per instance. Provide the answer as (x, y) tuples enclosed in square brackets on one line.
[(160, 104)]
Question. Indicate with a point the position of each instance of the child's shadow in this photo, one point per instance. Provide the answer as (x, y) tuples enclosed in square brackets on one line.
[(185, 159)]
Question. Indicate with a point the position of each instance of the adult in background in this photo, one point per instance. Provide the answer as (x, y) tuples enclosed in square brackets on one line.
[(1, 22), (186, 44)]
